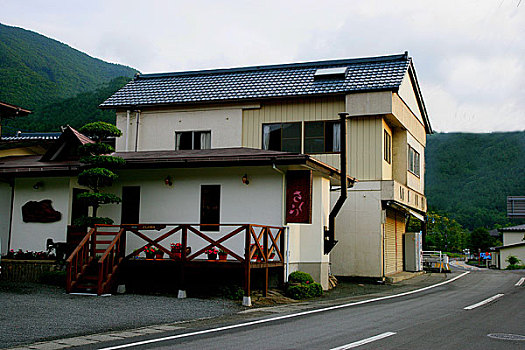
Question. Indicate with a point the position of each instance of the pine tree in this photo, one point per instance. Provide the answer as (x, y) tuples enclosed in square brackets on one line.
[(98, 171)]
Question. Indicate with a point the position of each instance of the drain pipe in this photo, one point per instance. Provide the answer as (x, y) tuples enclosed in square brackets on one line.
[(329, 233), (137, 131), (128, 112), (286, 227)]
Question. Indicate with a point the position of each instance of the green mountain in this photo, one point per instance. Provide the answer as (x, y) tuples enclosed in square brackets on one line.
[(469, 176), (74, 111), (36, 71)]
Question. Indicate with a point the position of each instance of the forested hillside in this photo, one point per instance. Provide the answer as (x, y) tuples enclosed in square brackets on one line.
[(75, 111), (36, 71), (469, 176)]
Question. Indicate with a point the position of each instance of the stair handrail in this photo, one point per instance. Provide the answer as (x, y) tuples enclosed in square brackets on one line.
[(80, 256), (110, 260)]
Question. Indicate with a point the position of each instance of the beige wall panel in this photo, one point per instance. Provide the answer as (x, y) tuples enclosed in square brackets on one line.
[(513, 238), (365, 148), (407, 94), (358, 230), (386, 169), (408, 120), (369, 103), (518, 252), (399, 155)]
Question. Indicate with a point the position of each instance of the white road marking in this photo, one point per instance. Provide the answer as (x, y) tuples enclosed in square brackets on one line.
[(278, 318), (520, 282), (364, 341), (486, 301)]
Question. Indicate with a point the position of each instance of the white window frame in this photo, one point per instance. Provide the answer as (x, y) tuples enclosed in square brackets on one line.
[(414, 161)]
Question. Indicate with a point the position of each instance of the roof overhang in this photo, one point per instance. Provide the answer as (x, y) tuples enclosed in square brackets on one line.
[(221, 157), (11, 111)]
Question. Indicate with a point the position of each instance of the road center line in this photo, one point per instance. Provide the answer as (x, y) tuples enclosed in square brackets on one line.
[(486, 301), (278, 318), (520, 282), (364, 341)]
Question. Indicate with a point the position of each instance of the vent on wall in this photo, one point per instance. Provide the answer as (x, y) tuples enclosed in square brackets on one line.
[(330, 73)]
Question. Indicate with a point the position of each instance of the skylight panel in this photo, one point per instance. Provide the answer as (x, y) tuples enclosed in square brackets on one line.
[(338, 72)]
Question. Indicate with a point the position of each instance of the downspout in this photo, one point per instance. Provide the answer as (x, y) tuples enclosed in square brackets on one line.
[(283, 222), (12, 183), (137, 131), (329, 233), (128, 112)]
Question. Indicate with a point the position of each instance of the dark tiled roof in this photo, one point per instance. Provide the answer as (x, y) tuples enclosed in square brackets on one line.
[(24, 136), (518, 228), (364, 74)]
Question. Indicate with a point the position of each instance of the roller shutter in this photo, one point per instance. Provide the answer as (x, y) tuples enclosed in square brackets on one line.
[(390, 243), (400, 231)]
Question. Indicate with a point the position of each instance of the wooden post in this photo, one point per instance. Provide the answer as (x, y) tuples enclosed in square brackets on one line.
[(284, 254), (247, 241), (182, 287)]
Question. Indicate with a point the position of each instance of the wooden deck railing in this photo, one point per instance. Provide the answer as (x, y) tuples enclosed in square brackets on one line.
[(259, 242), (109, 263), (80, 259)]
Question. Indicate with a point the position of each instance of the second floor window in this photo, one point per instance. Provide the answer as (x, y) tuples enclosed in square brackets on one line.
[(414, 161), (322, 137), (192, 140), (387, 152), (284, 137)]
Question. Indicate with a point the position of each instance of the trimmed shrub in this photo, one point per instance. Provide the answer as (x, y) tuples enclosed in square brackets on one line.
[(300, 277), (302, 286)]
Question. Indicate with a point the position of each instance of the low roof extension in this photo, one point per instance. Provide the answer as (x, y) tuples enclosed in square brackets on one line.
[(219, 157)]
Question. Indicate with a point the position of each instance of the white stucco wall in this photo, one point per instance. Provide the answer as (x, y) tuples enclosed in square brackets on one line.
[(5, 210), (358, 230), (260, 202), (157, 128), (33, 236), (518, 252)]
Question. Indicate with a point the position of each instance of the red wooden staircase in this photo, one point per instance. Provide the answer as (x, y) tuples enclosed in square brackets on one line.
[(94, 263)]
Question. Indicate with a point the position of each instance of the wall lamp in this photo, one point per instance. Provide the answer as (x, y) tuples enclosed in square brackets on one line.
[(168, 181), (38, 185), (245, 179)]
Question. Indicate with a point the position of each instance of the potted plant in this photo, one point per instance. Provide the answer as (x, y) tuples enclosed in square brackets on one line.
[(159, 254), (176, 249), (212, 254), (150, 252), (223, 256)]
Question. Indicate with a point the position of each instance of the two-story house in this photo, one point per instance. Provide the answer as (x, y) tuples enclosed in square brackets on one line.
[(225, 145)]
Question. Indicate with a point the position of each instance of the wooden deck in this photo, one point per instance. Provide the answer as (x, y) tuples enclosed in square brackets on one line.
[(95, 263)]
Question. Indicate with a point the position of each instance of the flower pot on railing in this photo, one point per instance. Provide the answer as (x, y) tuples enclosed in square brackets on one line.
[(159, 254), (176, 249), (272, 256), (212, 254), (223, 256), (150, 252)]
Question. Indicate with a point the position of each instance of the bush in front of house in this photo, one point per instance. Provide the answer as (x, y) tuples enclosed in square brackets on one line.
[(302, 286), (514, 263)]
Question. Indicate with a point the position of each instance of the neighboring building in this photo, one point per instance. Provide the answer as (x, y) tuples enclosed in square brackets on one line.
[(513, 244)]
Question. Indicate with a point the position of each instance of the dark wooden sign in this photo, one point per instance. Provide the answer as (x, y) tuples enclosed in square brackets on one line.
[(299, 196)]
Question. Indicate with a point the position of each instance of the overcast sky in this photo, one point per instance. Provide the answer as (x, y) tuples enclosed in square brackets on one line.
[(469, 55)]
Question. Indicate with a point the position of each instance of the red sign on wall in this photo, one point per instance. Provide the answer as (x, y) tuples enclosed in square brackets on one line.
[(299, 196)]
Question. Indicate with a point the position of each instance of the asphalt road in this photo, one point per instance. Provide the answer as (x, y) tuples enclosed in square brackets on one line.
[(435, 318)]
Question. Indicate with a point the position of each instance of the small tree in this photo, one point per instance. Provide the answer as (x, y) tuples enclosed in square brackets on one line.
[(512, 260), (98, 171)]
